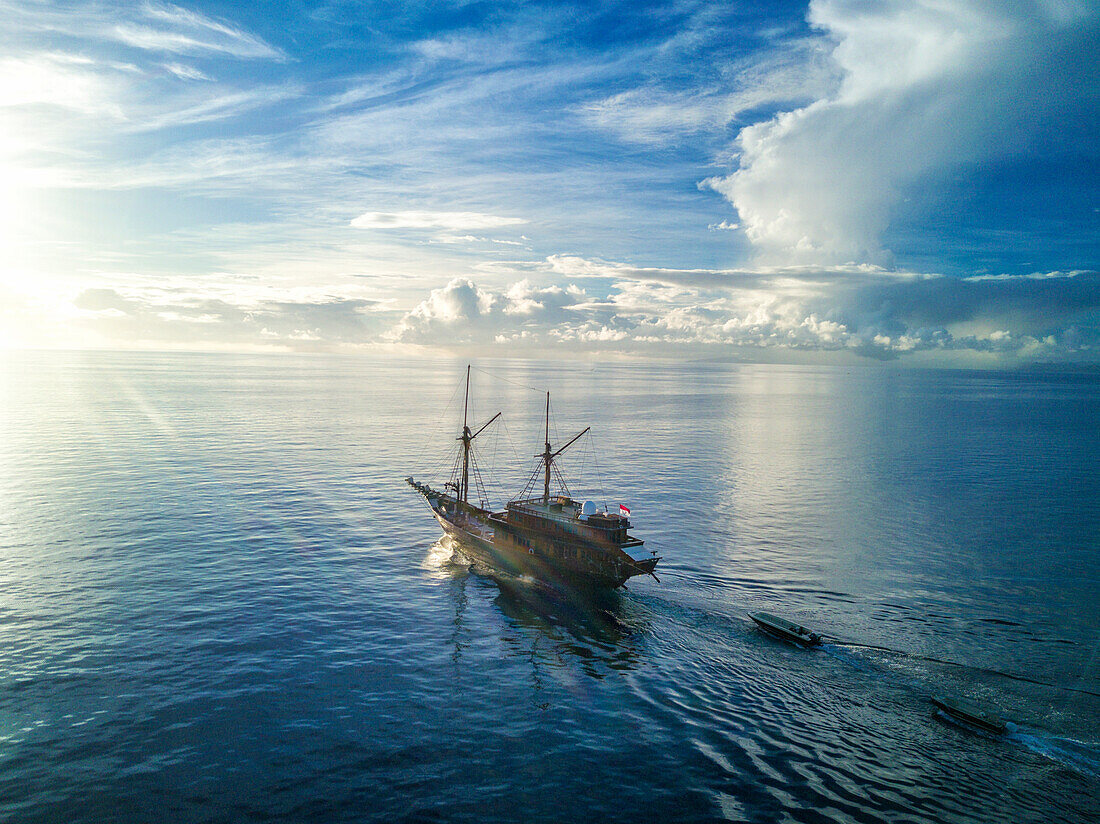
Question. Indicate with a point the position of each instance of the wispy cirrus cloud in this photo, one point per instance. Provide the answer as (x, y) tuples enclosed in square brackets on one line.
[(218, 167), (266, 319), (795, 72), (60, 80), (176, 29), (71, 96), (185, 72), (160, 27), (417, 219), (207, 107)]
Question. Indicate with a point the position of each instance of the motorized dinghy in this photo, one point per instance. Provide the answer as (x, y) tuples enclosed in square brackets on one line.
[(787, 630), (971, 714)]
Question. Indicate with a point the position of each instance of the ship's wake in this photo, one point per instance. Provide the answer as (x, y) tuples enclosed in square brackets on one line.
[(1080, 756)]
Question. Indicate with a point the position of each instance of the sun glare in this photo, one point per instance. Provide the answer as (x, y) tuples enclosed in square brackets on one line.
[(8, 210), (12, 194)]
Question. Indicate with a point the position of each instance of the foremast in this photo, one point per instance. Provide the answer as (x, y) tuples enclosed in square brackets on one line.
[(467, 437)]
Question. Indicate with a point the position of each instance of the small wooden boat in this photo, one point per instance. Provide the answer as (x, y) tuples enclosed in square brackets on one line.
[(787, 630), (970, 713)]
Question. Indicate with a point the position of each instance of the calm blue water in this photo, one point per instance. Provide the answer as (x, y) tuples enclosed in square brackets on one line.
[(220, 602)]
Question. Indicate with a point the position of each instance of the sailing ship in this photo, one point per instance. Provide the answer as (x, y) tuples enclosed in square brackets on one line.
[(550, 539)]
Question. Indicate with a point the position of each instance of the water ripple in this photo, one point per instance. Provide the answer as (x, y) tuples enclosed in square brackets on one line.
[(218, 601)]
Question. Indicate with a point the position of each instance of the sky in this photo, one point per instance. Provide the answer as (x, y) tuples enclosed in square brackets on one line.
[(848, 181)]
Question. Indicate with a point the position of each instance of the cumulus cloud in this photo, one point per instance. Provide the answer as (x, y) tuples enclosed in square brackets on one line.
[(451, 221), (462, 312), (609, 307), (100, 300), (926, 86), (863, 310)]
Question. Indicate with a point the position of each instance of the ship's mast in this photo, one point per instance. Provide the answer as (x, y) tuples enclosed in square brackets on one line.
[(548, 456), (464, 488), (467, 438)]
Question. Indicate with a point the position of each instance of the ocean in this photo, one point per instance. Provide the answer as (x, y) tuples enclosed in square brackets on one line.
[(220, 602)]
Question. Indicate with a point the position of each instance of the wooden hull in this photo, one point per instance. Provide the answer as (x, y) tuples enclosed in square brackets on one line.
[(971, 714), (501, 553)]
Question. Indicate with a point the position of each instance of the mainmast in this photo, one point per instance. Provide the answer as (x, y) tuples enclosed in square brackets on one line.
[(548, 456), (464, 487), (467, 438)]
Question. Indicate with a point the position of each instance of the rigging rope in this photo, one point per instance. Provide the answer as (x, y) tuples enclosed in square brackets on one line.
[(439, 422), (529, 486), (599, 477), (511, 443), (494, 481), (492, 449), (479, 487), (507, 380), (556, 473), (456, 470)]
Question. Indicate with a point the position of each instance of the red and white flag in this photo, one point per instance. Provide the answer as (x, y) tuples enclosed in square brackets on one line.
[(623, 510)]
